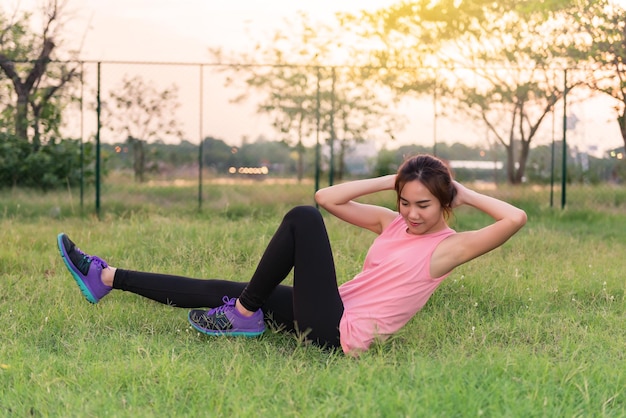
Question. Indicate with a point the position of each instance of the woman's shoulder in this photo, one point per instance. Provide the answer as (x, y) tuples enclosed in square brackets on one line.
[(392, 221)]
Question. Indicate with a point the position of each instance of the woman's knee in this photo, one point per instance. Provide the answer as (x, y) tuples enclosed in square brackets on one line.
[(304, 214)]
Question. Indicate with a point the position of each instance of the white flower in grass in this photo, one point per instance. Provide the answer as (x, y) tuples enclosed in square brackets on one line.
[(472, 332)]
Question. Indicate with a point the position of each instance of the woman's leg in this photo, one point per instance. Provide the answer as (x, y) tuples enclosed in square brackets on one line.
[(184, 292), (301, 242), (313, 305), (96, 278)]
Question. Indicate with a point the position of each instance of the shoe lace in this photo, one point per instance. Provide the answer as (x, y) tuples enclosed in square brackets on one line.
[(229, 303), (87, 260)]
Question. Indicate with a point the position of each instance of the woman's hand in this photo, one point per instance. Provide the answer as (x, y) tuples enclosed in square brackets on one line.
[(460, 198)]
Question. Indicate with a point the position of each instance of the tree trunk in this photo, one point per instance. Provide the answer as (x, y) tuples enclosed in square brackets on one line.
[(342, 163), (300, 152), (621, 121), (523, 158), (139, 160), (23, 89), (35, 126), (510, 162), (300, 163), (21, 116)]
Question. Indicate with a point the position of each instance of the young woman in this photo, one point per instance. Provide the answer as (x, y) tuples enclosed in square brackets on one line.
[(415, 250)]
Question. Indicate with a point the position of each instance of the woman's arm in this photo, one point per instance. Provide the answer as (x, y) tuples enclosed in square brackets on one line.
[(338, 200), (465, 246)]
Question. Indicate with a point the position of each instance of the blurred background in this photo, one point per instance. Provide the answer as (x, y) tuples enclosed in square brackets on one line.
[(508, 93)]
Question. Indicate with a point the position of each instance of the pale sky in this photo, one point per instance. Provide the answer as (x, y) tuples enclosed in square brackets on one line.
[(183, 31)]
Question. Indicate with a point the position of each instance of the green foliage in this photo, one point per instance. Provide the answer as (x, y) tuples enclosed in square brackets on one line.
[(217, 154), (13, 152), (499, 63), (38, 83), (54, 165), (263, 152)]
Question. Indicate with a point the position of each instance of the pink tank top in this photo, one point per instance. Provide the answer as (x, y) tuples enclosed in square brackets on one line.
[(394, 284)]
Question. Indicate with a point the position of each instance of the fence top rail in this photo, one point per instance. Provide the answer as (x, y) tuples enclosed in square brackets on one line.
[(233, 64)]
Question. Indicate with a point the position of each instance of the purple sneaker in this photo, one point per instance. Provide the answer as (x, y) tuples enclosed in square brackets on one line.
[(86, 269), (226, 320)]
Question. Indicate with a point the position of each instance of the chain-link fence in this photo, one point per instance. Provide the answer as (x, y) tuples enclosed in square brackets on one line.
[(318, 123)]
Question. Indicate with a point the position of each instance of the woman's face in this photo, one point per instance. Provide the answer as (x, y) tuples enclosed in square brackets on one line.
[(420, 209)]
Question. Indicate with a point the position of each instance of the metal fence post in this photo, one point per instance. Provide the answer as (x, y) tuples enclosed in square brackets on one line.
[(82, 135), (317, 132), (552, 156), (201, 147), (331, 173), (564, 162), (98, 111), (435, 119)]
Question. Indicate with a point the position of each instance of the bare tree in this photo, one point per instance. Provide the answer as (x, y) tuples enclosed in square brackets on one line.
[(25, 59), (295, 72), (140, 113)]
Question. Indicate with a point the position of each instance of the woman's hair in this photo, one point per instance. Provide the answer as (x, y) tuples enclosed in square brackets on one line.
[(432, 173)]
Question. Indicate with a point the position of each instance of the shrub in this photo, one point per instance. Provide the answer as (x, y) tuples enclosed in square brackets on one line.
[(55, 164)]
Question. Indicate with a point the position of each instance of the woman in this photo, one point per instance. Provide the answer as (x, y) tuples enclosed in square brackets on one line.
[(414, 252)]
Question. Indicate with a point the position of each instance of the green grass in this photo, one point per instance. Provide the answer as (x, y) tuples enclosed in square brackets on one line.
[(536, 328)]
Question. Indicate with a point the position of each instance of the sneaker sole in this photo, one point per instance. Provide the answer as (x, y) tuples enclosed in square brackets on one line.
[(249, 334), (79, 281)]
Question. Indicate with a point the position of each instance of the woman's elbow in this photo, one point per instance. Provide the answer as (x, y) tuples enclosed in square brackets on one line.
[(520, 218), (320, 198)]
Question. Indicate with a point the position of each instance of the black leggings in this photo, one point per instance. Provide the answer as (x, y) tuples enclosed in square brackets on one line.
[(312, 306)]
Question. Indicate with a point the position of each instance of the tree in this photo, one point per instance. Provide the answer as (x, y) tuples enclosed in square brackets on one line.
[(35, 86), (216, 154), (355, 107), (511, 81), (25, 59), (140, 113), (301, 90), (400, 45), (599, 38), (493, 60)]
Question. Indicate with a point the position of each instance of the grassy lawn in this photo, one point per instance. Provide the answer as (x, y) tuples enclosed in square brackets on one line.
[(536, 328)]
